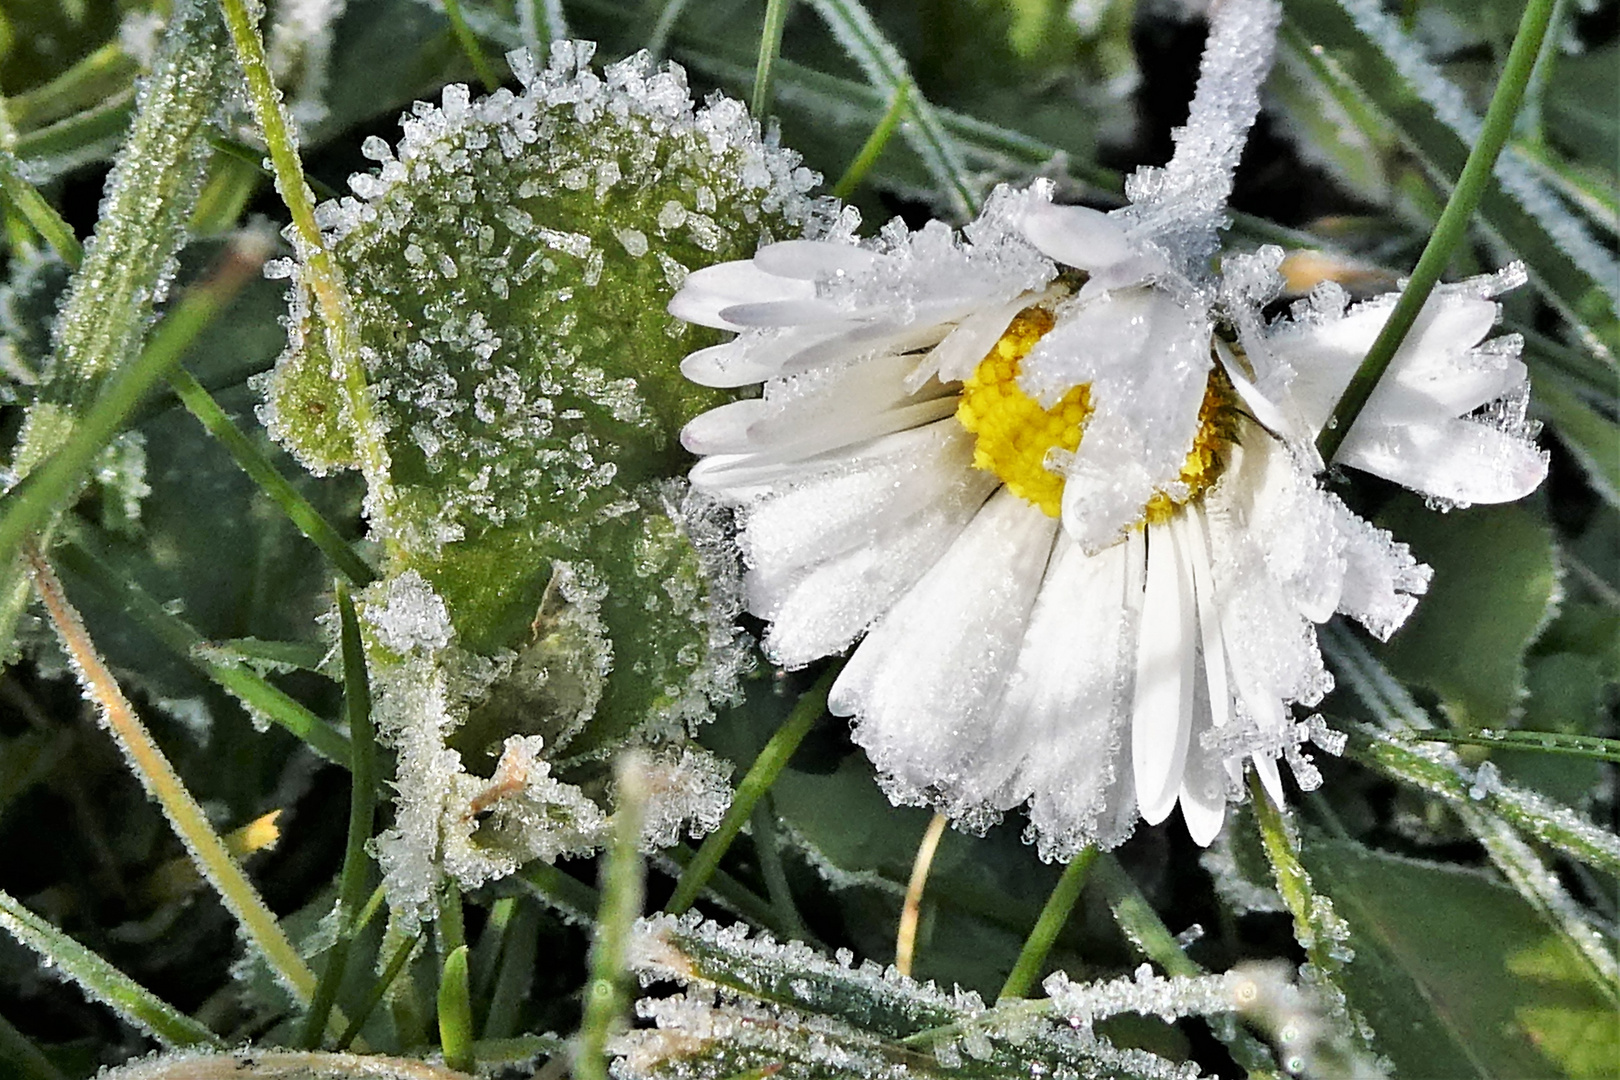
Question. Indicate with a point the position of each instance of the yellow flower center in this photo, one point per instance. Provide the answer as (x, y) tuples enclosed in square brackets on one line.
[(1015, 433), (1016, 436)]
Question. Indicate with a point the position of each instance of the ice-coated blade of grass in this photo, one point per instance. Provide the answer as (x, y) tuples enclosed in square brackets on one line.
[(574, 900), (213, 859), (886, 69), (363, 781), (768, 851), (1144, 929), (101, 981), (770, 762), (1395, 710), (1032, 957), (287, 498), (623, 885), (1450, 230), (1592, 747), (255, 693), (40, 214), (324, 277)]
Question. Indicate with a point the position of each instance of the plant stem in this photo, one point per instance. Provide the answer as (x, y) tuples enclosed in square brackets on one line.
[(470, 47), (321, 272), (770, 46), (1281, 845), (45, 489), (162, 783), (1053, 917), (362, 814), (872, 148), (1449, 230), (905, 938), (763, 824), (622, 890), (756, 783), (298, 509), (396, 964), (1593, 747)]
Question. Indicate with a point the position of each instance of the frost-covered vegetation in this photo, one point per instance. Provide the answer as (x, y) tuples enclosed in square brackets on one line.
[(765, 539)]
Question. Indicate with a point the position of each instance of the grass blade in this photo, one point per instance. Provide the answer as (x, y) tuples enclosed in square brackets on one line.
[(40, 214), (101, 981), (1593, 747), (770, 47)]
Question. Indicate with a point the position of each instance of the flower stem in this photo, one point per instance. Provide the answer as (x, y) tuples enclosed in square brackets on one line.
[(761, 775), (623, 882), (1449, 230), (1051, 922), (770, 46), (161, 782), (905, 939), (1281, 845), (321, 270)]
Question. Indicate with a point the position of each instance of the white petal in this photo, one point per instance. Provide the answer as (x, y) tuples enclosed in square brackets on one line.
[(808, 260), (924, 678), (1458, 460), (1162, 706), (954, 358), (1077, 235), (707, 292), (1266, 766), (1057, 737), (1191, 529)]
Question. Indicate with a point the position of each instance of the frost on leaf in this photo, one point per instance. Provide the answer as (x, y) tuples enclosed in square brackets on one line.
[(550, 594)]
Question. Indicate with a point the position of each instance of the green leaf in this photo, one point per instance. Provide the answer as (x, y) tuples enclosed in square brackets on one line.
[(1459, 976), (1495, 587), (1592, 438)]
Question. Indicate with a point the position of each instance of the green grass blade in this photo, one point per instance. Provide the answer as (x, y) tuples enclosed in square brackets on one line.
[(770, 762), (374, 995), (40, 214), (18, 1052), (1449, 230), (298, 509), (455, 1012), (1593, 747), (470, 48), (106, 72), (363, 781), (770, 47), (883, 65), (101, 981), (257, 694), (872, 149), (520, 944)]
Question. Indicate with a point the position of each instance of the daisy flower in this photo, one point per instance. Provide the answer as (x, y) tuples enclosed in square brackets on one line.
[(1033, 475)]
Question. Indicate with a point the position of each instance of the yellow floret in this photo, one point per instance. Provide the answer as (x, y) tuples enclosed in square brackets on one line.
[(1014, 433)]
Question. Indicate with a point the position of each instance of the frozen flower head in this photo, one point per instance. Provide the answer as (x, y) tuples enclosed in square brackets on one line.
[(1031, 471)]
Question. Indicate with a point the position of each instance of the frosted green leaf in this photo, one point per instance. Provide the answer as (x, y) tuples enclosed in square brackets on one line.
[(547, 580)]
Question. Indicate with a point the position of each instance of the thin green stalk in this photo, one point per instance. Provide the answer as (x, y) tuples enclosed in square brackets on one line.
[(576, 901), (40, 214), (623, 882), (519, 949), (374, 995), (668, 16), (253, 690), (32, 502), (733, 895), (455, 1012), (101, 981), (1593, 747), (769, 852), (88, 82), (872, 148), (298, 509), (1053, 917), (761, 775), (208, 851), (483, 963), (1315, 928), (362, 815), (321, 270), (770, 46), (1142, 925), (1449, 230), (17, 1051), (470, 47)]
